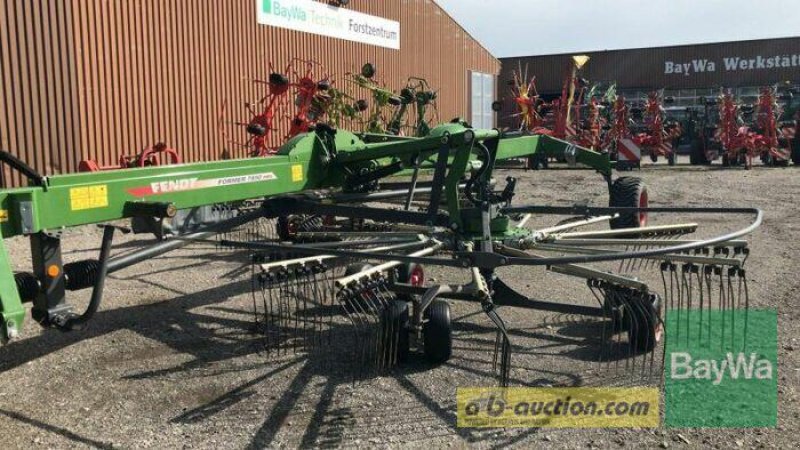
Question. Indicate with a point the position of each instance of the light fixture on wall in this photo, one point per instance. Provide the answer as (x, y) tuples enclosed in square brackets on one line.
[(338, 3)]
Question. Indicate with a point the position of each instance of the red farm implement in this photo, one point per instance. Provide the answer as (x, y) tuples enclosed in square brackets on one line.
[(772, 149), (299, 80), (657, 136), (619, 139), (741, 143), (157, 155)]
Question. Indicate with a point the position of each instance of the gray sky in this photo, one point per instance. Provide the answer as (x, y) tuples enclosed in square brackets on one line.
[(538, 27)]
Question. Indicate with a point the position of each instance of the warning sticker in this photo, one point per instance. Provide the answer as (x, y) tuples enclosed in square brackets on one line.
[(88, 197), (3, 215), (297, 173), (192, 184)]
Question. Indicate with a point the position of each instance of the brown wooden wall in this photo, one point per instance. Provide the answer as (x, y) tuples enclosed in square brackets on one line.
[(100, 78)]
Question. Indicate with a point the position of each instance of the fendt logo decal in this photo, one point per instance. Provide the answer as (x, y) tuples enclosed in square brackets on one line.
[(192, 184)]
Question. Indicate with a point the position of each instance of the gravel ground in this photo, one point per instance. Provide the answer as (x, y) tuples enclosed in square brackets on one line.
[(170, 360)]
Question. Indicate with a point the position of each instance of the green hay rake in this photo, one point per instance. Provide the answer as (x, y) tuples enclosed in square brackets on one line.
[(331, 201)]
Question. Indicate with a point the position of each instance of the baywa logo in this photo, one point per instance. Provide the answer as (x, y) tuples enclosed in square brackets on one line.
[(293, 12), (741, 367), (721, 368)]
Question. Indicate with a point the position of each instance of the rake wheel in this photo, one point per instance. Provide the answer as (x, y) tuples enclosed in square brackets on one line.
[(438, 332), (629, 192)]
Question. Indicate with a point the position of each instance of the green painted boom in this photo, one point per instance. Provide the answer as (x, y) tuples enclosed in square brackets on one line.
[(309, 161)]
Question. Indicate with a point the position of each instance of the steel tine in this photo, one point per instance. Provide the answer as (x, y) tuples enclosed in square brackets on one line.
[(700, 300), (722, 301), (616, 345), (607, 316), (387, 328), (293, 307), (397, 324), (256, 282), (743, 280), (633, 324), (732, 295), (709, 282)]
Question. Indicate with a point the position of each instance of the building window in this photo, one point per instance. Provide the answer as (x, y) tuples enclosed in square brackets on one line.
[(482, 88)]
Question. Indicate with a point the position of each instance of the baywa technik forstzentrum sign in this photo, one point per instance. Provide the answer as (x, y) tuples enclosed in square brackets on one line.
[(326, 20)]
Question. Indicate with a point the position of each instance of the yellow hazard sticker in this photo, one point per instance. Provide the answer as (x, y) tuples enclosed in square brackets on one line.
[(3, 215), (88, 197), (297, 173)]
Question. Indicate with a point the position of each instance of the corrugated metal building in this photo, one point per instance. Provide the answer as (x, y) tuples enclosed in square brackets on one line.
[(101, 78), (687, 72)]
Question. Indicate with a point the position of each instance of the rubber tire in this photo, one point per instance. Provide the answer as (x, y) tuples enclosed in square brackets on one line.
[(671, 158), (398, 312), (653, 157), (725, 160), (438, 332), (697, 156), (796, 152), (625, 193), (645, 342), (615, 314)]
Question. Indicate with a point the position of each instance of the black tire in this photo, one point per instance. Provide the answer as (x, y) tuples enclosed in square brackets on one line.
[(538, 161), (796, 152), (615, 313), (395, 333), (698, 155), (671, 158), (438, 332), (644, 326), (653, 157), (725, 160), (628, 192)]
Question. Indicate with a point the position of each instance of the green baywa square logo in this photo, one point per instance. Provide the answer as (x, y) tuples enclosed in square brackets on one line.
[(721, 368), (266, 6)]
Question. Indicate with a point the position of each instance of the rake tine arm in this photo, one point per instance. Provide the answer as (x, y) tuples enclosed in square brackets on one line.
[(573, 225), (678, 258), (317, 259), (362, 255), (578, 271), (687, 227), (627, 242), (341, 282)]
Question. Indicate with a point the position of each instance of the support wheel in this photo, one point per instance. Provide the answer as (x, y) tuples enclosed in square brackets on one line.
[(671, 158), (438, 332), (796, 153), (395, 333), (629, 192), (644, 325)]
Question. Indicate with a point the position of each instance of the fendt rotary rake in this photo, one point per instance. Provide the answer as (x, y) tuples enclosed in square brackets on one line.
[(345, 222)]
